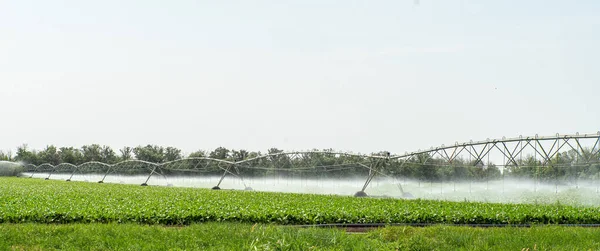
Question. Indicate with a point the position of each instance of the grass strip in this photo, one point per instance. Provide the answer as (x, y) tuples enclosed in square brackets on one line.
[(243, 236)]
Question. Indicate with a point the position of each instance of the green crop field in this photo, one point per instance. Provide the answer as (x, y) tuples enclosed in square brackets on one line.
[(108, 216), (46, 201)]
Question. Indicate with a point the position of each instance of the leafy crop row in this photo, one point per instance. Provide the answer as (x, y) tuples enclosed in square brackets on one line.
[(33, 200)]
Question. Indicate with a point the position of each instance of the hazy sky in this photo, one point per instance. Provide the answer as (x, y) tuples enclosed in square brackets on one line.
[(361, 76)]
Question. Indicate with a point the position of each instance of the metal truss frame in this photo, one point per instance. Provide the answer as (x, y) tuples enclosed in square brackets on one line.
[(511, 150)]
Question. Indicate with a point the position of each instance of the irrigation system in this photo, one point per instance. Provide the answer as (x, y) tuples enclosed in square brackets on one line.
[(577, 152)]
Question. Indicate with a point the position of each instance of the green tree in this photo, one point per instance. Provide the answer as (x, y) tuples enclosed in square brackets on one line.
[(426, 170), (26, 156), (92, 152), (459, 170), (527, 168), (172, 153), (126, 153), (198, 154), (50, 155), (239, 155), (150, 153), (108, 155), (277, 160), (70, 155), (219, 153)]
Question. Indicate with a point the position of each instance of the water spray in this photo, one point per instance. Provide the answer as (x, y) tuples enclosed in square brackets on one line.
[(381, 166)]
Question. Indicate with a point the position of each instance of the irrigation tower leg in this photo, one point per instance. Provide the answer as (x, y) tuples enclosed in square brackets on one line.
[(217, 187), (372, 173), (152, 172), (362, 193), (107, 172), (50, 174), (73, 173), (246, 187)]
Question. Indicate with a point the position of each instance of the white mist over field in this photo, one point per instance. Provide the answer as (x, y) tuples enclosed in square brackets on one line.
[(8, 168), (502, 191)]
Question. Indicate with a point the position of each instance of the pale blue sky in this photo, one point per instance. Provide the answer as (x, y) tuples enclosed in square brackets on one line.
[(361, 76)]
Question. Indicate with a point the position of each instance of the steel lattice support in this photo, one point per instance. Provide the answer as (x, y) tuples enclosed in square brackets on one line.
[(508, 152)]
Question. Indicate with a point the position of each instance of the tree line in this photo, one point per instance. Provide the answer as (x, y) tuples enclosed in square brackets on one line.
[(568, 165), (102, 153)]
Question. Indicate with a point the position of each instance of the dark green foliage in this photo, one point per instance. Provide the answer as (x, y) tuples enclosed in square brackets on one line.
[(198, 154), (126, 153), (50, 155), (107, 155), (172, 153), (219, 153), (239, 155), (26, 156), (71, 155), (150, 153), (92, 152)]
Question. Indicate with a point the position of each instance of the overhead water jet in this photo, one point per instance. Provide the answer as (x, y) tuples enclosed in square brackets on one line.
[(9, 168)]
